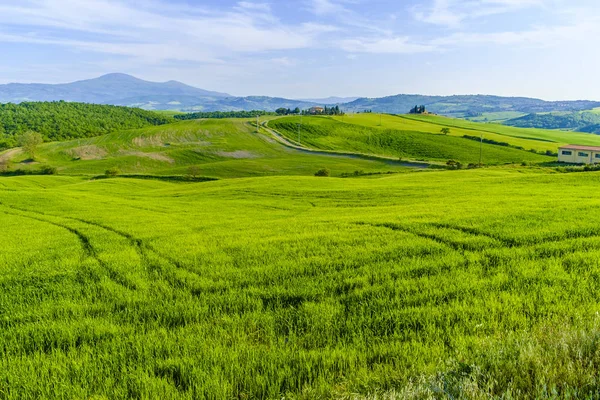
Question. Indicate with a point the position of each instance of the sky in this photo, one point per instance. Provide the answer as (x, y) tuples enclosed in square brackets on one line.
[(312, 48)]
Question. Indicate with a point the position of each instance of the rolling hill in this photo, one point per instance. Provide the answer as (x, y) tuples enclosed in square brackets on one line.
[(581, 121), (417, 144), (465, 105), (280, 284), (126, 90), (63, 120)]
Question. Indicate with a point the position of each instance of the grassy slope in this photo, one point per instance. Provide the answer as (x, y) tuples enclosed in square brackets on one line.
[(258, 288), (221, 148), (415, 139), (537, 139)]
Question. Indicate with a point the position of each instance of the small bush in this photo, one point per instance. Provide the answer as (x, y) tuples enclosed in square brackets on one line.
[(48, 170), (112, 172), (323, 172), (472, 166), (453, 164), (4, 165), (194, 171)]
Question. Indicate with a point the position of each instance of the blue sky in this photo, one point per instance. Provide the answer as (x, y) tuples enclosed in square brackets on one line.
[(312, 48)]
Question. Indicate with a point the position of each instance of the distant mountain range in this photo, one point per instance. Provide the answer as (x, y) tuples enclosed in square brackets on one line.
[(126, 90)]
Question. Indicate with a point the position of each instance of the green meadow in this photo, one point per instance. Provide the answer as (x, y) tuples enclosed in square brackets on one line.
[(272, 283)]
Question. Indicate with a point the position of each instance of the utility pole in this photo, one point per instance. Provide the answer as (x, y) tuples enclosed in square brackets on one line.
[(257, 125), (380, 117)]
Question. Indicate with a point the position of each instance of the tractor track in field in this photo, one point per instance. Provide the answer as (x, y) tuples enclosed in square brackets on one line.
[(281, 139), (502, 242), (141, 248), (88, 250)]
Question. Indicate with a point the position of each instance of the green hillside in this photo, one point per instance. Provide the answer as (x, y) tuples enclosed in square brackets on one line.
[(582, 121), (301, 287), (219, 148), (63, 120), (414, 140), (537, 139)]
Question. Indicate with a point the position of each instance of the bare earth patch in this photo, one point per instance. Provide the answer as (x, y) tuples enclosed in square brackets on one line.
[(7, 156), (148, 141), (152, 156), (90, 152), (237, 154)]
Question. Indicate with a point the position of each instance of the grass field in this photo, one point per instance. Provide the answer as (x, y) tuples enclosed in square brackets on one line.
[(496, 116), (271, 283), (397, 137), (461, 285)]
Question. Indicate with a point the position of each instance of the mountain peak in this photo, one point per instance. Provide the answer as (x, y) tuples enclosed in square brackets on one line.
[(117, 76)]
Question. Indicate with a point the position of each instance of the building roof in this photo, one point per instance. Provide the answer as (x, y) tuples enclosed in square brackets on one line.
[(579, 147)]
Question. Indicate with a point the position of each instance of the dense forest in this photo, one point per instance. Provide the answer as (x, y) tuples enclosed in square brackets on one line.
[(63, 120), (224, 114)]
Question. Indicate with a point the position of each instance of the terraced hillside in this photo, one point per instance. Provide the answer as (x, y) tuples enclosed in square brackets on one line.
[(461, 284)]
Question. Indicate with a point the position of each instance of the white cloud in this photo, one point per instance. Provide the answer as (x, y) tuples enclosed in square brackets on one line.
[(122, 28), (394, 45), (452, 13)]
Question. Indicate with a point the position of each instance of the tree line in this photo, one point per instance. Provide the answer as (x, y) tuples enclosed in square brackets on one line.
[(223, 114), (64, 120)]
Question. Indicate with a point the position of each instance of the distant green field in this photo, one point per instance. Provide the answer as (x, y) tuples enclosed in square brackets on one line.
[(467, 284), (397, 137), (496, 116), (220, 148), (555, 137)]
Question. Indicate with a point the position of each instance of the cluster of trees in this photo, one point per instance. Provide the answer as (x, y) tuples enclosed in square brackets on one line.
[(63, 120), (418, 110), (223, 114), (287, 111)]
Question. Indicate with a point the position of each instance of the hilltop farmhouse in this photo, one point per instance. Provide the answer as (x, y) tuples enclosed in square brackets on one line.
[(575, 154), (316, 110)]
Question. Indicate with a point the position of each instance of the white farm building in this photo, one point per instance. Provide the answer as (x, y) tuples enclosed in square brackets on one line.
[(575, 154)]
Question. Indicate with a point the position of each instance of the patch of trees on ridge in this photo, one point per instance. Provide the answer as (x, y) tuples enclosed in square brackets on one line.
[(418, 110), (64, 120), (223, 114)]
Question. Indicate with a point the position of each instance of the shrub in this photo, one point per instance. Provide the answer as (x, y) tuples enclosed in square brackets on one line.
[(194, 171), (4, 165), (48, 170), (112, 172), (323, 172), (452, 164)]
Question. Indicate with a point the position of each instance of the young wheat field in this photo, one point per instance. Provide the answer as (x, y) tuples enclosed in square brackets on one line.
[(451, 284)]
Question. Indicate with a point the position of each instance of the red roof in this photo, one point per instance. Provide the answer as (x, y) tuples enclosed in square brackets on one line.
[(578, 147)]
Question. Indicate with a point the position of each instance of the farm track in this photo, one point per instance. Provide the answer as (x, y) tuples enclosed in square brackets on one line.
[(341, 154), (144, 251), (88, 250), (502, 242)]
